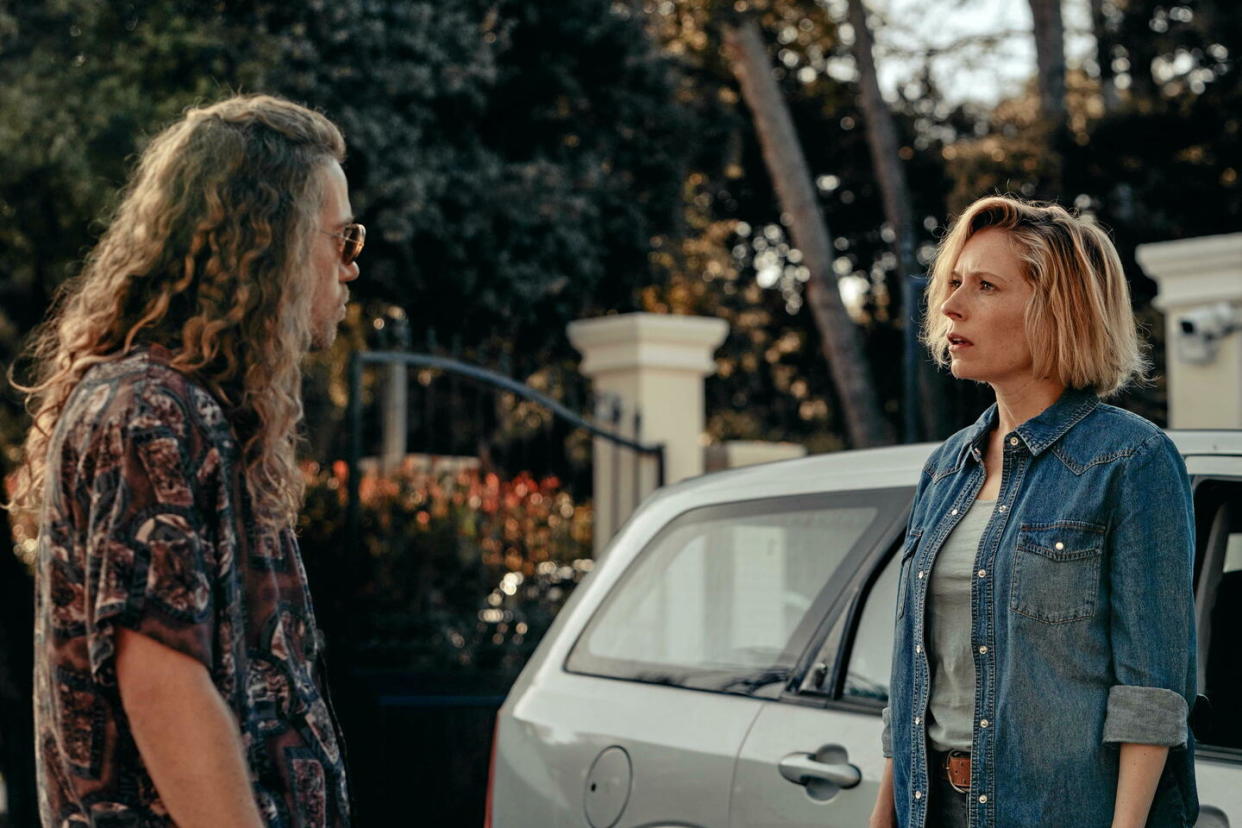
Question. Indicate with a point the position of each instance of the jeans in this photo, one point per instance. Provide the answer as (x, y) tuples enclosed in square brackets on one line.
[(946, 808)]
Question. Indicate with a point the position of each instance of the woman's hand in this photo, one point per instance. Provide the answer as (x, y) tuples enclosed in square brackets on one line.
[(884, 815)]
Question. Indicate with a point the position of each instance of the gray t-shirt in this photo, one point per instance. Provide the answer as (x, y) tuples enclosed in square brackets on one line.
[(951, 709)]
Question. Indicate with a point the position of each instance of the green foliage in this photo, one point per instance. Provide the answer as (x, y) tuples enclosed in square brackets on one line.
[(454, 571), (81, 85), (512, 159)]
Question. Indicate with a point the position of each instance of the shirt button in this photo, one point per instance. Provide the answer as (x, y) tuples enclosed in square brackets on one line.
[(1060, 545), (984, 649), (1002, 508), (918, 719), (918, 794), (1013, 441), (918, 648), (953, 512), (983, 573), (983, 723), (983, 798), (920, 574)]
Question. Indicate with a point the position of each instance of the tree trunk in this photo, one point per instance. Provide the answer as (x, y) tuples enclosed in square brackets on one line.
[(1050, 60), (1104, 55), (898, 212), (839, 338), (882, 142)]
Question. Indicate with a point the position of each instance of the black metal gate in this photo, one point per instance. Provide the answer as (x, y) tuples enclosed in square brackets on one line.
[(360, 359)]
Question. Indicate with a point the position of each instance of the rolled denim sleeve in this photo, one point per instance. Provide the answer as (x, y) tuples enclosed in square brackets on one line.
[(1151, 567), (886, 737)]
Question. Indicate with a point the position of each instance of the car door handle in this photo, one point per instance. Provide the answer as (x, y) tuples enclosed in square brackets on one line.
[(824, 772)]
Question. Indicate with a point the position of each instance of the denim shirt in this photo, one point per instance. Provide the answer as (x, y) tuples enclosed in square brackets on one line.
[(1082, 618)]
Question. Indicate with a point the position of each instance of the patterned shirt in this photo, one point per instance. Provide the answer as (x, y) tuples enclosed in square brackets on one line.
[(147, 525)]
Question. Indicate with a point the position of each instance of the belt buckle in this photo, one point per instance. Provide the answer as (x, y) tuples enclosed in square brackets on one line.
[(949, 773)]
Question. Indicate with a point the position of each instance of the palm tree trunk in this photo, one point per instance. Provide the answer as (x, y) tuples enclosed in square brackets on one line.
[(1050, 59), (1104, 55), (926, 384), (782, 153)]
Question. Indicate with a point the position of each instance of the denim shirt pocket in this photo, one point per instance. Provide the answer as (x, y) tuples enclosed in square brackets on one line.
[(1056, 570), (907, 557)]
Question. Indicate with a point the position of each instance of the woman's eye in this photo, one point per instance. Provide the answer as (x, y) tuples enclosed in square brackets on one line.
[(986, 286), (955, 283)]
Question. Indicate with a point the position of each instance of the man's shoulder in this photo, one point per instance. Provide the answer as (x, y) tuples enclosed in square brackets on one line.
[(140, 393)]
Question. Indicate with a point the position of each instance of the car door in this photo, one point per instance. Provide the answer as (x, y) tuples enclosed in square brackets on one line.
[(1218, 605), (711, 617), (813, 757)]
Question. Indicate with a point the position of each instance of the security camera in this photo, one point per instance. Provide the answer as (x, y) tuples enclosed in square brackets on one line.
[(1200, 331)]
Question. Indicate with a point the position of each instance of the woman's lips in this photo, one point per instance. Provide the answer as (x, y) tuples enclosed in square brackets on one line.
[(959, 343)]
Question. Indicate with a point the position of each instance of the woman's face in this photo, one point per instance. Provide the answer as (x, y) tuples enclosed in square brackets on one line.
[(987, 312)]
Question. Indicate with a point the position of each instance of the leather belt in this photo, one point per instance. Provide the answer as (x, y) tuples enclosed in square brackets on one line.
[(957, 770)]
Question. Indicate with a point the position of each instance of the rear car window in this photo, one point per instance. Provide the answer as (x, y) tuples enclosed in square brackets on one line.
[(726, 597)]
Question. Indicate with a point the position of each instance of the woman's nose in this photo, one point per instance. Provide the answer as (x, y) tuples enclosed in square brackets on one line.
[(952, 306)]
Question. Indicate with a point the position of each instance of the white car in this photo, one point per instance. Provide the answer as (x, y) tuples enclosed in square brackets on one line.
[(726, 662)]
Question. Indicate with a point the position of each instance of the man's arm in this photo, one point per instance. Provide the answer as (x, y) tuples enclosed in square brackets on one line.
[(187, 736)]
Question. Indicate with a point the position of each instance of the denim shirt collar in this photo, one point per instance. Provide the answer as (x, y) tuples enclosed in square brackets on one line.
[(1042, 430)]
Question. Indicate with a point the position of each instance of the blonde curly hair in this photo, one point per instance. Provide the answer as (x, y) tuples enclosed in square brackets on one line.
[(206, 255)]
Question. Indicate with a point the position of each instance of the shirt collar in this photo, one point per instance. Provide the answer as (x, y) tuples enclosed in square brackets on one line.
[(1042, 430)]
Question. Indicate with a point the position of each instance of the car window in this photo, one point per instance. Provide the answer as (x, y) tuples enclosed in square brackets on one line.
[(863, 665), (871, 656), (725, 597), (1220, 617)]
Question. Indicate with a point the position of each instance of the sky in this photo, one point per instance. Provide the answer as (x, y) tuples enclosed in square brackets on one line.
[(969, 73)]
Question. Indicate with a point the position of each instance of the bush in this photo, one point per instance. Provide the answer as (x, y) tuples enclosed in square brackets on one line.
[(454, 570)]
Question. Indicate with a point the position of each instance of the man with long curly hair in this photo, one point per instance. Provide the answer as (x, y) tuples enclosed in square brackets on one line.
[(178, 670)]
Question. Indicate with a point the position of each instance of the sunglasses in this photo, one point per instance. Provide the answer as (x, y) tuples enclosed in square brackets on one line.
[(353, 238)]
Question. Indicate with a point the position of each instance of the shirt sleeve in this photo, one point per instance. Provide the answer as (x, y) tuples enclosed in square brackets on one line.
[(148, 560), (1151, 567)]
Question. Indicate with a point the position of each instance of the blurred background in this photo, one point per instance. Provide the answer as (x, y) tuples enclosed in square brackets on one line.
[(786, 166)]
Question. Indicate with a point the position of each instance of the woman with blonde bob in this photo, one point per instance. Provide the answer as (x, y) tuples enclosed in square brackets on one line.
[(1043, 662)]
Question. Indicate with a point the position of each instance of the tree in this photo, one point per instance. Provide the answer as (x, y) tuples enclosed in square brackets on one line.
[(515, 158), (1102, 29), (886, 160), (1049, 31), (787, 165)]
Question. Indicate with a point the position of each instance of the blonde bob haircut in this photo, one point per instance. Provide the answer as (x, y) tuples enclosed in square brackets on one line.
[(206, 256), (1079, 323)]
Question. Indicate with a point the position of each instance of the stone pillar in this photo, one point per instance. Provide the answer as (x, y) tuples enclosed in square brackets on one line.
[(393, 329), (653, 365), (1200, 292)]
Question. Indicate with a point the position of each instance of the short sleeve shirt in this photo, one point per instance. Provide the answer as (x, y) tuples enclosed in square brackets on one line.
[(146, 524)]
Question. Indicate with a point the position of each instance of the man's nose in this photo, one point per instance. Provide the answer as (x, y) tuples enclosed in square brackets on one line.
[(351, 271)]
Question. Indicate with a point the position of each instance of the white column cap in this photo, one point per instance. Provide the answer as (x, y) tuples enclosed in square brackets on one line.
[(626, 342), (1197, 271)]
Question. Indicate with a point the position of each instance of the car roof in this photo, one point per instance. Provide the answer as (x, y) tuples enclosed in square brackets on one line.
[(876, 468)]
